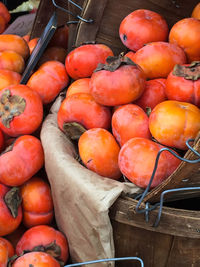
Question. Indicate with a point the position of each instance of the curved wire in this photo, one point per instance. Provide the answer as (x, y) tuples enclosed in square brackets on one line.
[(162, 200), (106, 260), (71, 13), (155, 168)]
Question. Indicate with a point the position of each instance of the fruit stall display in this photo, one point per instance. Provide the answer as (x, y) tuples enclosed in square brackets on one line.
[(79, 141)]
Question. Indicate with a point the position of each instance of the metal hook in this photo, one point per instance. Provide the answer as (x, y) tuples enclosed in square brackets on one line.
[(69, 12), (106, 260), (155, 168)]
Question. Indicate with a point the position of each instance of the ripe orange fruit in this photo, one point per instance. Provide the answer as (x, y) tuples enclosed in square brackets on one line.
[(99, 151)]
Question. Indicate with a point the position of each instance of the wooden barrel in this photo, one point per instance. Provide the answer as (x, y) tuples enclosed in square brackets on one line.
[(174, 242)]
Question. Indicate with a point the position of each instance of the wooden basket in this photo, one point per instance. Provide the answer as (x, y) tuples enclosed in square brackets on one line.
[(106, 17)]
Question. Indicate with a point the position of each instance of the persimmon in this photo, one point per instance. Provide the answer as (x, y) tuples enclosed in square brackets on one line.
[(36, 259), (137, 160), (142, 26), (32, 44), (183, 83), (119, 82), (5, 12), (99, 151), (27, 37), (196, 12), (15, 43), (79, 86), (15, 236), (11, 60), (10, 248), (37, 202), (157, 59), (153, 94), (130, 54), (81, 108), (130, 121), (60, 37), (49, 239), (10, 209), (53, 53), (172, 123), (8, 77), (21, 160), (49, 80), (185, 33), (2, 24), (3, 254), (21, 110), (83, 60)]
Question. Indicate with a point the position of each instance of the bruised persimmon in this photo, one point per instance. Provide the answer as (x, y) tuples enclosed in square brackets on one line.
[(37, 202), (49, 239), (173, 122), (157, 59), (81, 108), (130, 121), (185, 33), (79, 86), (36, 259), (142, 26), (83, 60), (153, 94), (137, 160), (119, 82), (99, 151)]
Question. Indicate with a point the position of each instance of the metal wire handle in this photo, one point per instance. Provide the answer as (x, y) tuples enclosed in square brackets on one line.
[(71, 13), (107, 260), (162, 200), (142, 196)]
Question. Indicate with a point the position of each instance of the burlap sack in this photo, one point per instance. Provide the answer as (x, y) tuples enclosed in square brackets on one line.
[(81, 197)]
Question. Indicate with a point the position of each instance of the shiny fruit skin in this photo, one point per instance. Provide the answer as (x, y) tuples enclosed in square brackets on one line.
[(172, 123), (152, 28), (99, 151), (137, 160)]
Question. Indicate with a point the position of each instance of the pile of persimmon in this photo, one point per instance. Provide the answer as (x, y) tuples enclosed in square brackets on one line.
[(121, 111), (25, 194)]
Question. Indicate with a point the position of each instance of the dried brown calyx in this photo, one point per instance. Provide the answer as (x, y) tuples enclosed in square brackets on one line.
[(13, 201), (113, 63), (10, 107), (73, 130), (190, 72)]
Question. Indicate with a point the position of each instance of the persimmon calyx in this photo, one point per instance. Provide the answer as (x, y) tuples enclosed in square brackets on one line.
[(113, 63), (10, 107), (13, 201), (190, 72), (73, 130)]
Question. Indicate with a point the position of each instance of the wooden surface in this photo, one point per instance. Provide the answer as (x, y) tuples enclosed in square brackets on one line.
[(44, 13), (108, 14), (175, 242)]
